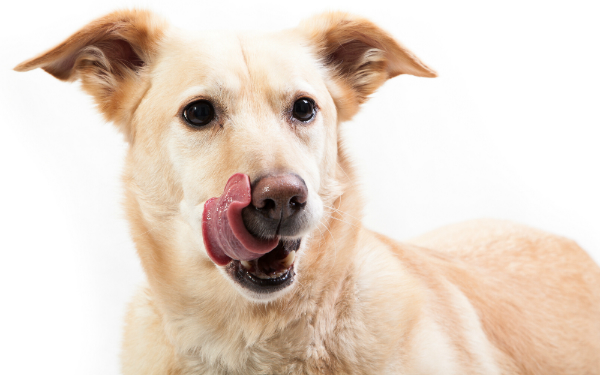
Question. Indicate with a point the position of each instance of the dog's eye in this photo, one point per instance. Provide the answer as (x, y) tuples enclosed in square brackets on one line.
[(304, 109), (199, 113)]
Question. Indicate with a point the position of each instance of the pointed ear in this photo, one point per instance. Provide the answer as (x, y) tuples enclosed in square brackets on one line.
[(109, 56), (359, 55)]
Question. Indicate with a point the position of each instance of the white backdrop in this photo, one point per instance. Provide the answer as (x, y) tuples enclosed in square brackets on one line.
[(509, 130)]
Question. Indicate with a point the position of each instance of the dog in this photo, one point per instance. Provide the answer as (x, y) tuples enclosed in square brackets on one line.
[(245, 213)]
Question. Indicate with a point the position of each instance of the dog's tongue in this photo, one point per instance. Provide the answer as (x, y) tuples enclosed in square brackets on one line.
[(225, 236)]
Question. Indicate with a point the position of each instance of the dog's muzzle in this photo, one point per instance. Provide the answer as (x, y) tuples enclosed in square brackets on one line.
[(255, 229)]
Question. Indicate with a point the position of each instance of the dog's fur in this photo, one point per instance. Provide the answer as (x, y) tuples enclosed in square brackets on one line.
[(486, 297)]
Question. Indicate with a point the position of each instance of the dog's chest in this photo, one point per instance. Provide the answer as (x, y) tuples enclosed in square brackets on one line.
[(305, 348)]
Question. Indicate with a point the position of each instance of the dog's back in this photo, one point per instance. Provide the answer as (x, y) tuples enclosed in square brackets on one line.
[(538, 295)]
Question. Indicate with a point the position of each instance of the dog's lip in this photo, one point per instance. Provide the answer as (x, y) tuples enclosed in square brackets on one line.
[(259, 284), (224, 233), (272, 272), (274, 262)]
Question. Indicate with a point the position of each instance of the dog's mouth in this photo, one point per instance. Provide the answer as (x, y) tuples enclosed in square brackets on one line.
[(269, 273), (263, 265)]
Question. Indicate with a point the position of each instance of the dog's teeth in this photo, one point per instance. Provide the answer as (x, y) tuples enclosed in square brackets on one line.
[(277, 274), (287, 261), (246, 264), (269, 276)]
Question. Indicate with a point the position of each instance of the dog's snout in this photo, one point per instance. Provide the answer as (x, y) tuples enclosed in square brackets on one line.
[(278, 206), (279, 197)]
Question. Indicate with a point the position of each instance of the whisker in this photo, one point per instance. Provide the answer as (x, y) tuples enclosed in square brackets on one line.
[(341, 212), (346, 222), (346, 174), (335, 249)]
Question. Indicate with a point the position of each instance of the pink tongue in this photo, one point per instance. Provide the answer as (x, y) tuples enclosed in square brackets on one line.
[(224, 233)]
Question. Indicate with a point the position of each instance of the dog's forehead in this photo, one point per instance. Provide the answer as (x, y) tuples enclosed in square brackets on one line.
[(240, 63)]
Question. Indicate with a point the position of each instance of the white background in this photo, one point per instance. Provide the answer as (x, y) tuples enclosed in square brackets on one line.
[(509, 130)]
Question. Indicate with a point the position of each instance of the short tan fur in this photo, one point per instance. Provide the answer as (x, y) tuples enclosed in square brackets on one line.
[(485, 297)]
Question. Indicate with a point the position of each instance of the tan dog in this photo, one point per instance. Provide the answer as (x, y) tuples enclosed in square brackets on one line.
[(243, 207)]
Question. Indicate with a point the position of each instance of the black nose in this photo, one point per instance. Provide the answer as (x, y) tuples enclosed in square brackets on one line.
[(277, 206), (279, 197)]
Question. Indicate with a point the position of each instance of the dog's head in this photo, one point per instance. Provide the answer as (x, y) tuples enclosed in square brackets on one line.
[(234, 154)]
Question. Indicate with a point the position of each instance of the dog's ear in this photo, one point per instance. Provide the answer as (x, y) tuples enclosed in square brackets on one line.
[(360, 55), (109, 56)]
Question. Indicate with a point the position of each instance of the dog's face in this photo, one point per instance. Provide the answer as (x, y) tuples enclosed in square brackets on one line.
[(250, 105), (234, 153)]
